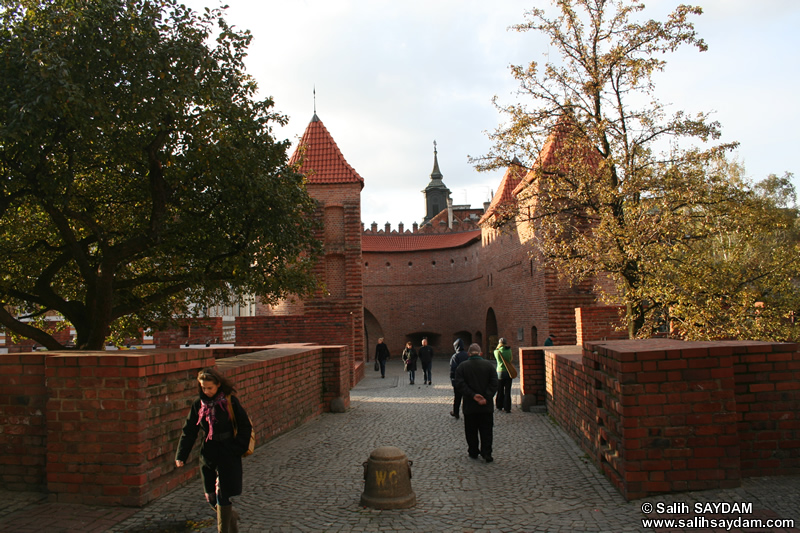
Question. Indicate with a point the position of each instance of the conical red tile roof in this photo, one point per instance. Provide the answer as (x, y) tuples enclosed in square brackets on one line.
[(564, 144), (505, 193), (323, 162)]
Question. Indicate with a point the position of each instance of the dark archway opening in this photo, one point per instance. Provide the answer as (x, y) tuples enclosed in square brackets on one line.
[(491, 331)]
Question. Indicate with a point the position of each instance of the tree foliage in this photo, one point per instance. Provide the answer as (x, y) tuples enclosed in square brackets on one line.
[(743, 281), (139, 174), (621, 188)]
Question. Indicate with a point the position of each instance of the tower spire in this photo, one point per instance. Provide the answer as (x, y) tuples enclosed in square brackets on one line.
[(436, 174), (315, 118), (436, 193)]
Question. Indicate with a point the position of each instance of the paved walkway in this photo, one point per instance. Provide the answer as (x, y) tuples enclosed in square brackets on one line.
[(311, 479)]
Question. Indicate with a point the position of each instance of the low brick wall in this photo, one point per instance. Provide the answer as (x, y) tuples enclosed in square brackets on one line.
[(335, 328), (767, 390), (663, 416), (568, 393), (104, 429)]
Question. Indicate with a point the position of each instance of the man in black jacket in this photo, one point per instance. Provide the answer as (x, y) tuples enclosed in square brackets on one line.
[(457, 358), (476, 380), (382, 354), (425, 354)]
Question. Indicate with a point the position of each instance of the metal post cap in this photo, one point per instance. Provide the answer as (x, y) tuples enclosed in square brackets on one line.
[(387, 477)]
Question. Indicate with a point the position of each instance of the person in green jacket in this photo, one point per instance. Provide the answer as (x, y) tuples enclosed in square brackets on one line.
[(503, 355)]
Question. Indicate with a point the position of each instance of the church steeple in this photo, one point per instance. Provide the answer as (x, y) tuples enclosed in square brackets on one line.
[(436, 174), (436, 193)]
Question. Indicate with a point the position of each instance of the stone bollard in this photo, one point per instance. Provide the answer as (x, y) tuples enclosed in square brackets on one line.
[(388, 480)]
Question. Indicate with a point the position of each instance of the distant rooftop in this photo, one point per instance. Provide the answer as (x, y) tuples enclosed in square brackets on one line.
[(404, 242)]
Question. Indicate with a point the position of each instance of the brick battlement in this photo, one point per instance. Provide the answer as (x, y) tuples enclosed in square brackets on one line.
[(437, 226), (101, 429), (662, 416)]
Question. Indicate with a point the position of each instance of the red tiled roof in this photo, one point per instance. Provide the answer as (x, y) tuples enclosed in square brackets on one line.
[(417, 241), (323, 162), (505, 193), (562, 146)]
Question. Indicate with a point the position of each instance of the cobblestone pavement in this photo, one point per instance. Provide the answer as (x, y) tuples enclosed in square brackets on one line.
[(311, 478)]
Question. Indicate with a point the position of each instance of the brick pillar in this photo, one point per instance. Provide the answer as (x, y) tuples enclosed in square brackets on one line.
[(532, 377), (336, 367), (666, 415)]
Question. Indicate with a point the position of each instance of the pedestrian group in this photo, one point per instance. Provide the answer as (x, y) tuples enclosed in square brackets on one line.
[(478, 386), (227, 430)]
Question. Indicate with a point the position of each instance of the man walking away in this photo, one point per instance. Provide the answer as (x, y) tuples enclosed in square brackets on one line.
[(459, 357), (476, 380)]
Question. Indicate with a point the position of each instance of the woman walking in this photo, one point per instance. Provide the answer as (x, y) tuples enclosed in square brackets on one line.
[(410, 361), (215, 412)]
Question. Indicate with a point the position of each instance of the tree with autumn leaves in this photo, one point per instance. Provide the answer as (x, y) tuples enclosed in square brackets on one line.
[(622, 189), (139, 175)]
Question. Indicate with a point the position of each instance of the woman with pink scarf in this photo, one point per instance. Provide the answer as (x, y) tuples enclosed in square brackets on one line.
[(220, 452)]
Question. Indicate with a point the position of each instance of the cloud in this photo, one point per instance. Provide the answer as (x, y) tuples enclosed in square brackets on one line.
[(391, 77)]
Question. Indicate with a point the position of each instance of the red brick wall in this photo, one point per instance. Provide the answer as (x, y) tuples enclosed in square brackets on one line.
[(331, 324), (449, 291), (569, 397), (335, 313), (532, 379), (113, 421), (23, 439), (664, 416), (767, 385), (190, 331), (598, 323), (422, 292)]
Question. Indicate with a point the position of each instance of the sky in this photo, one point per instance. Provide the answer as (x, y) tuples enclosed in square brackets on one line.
[(387, 78)]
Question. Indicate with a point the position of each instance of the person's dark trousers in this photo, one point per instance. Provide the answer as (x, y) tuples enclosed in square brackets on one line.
[(456, 402), (426, 372), (503, 398), (478, 428), (383, 367)]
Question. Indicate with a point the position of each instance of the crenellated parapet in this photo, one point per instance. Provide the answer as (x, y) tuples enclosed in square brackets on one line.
[(464, 219)]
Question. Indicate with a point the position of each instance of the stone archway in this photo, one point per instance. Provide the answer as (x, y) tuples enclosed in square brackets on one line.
[(465, 336), (372, 332)]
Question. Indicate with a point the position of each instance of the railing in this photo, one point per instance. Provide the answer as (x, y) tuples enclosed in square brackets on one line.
[(228, 333)]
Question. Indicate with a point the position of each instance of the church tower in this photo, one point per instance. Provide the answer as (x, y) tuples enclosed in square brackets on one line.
[(436, 193)]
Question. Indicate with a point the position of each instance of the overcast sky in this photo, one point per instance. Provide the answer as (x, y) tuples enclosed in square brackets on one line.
[(391, 77)]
